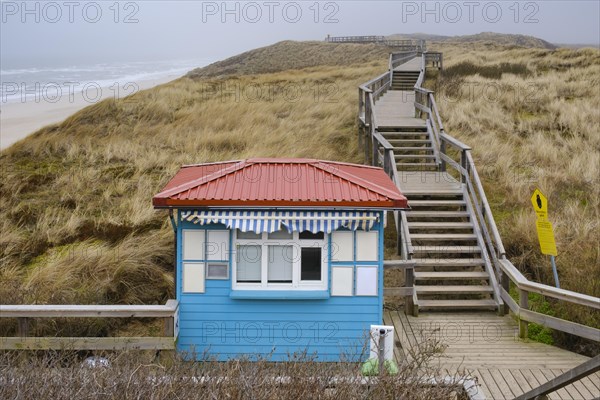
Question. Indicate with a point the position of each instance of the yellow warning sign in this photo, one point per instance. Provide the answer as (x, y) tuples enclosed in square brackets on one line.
[(546, 237), (540, 204)]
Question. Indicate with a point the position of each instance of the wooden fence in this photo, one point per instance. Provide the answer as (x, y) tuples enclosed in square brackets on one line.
[(24, 313), (399, 44)]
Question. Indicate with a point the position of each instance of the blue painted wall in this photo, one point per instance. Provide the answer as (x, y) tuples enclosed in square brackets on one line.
[(212, 324)]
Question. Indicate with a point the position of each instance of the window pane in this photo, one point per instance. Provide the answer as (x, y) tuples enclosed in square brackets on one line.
[(248, 263), (310, 235), (248, 235), (283, 234), (310, 264), (280, 264)]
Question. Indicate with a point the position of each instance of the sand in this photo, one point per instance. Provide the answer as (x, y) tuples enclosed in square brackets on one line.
[(19, 119)]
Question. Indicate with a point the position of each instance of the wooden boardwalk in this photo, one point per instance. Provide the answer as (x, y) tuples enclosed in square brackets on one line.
[(458, 256), (396, 108), (412, 65), (488, 348)]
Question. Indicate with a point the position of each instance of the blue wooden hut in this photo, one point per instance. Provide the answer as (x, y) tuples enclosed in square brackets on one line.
[(279, 257)]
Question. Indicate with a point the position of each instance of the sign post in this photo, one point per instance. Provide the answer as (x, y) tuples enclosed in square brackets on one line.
[(544, 230)]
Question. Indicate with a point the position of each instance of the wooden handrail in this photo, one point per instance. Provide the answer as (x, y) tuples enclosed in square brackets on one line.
[(486, 207), (88, 311), (23, 313), (521, 282), (581, 371), (436, 113), (454, 142), (367, 85)]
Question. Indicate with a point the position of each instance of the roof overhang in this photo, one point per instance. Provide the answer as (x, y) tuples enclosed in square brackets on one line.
[(176, 203)]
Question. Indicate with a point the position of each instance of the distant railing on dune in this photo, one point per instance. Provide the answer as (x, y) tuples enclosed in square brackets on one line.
[(401, 44)]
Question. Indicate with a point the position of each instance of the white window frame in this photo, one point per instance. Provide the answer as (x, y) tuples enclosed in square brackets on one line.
[(297, 244)]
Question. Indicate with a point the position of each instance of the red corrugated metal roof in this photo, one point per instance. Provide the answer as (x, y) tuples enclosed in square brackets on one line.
[(274, 182)]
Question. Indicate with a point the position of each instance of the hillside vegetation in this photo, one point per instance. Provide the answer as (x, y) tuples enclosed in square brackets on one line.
[(75, 197), (77, 221), (288, 55), (502, 39)]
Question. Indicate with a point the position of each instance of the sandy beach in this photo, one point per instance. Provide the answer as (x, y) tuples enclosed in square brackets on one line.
[(19, 119)]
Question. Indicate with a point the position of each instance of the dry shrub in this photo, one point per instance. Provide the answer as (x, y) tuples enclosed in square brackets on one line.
[(128, 375)]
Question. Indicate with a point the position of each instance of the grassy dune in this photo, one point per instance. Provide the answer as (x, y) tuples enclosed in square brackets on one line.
[(75, 198), (76, 214)]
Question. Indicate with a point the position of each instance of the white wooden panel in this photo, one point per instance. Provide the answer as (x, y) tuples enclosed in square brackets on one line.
[(366, 281), (367, 246), (217, 245), (342, 281), (193, 244), (342, 246), (193, 278)]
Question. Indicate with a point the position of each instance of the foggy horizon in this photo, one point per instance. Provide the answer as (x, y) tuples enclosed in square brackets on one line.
[(94, 32)]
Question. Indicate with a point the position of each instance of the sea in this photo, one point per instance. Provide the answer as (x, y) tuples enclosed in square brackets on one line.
[(22, 83)]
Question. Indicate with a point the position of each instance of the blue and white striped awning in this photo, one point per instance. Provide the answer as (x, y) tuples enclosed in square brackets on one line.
[(271, 221)]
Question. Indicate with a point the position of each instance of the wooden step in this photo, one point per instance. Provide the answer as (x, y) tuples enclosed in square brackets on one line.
[(421, 166), (424, 148), (437, 214), (409, 141), (436, 203), (439, 225), (448, 262), (432, 192), (433, 237), (453, 289), (447, 249), (457, 304), (450, 275), (391, 135), (411, 156)]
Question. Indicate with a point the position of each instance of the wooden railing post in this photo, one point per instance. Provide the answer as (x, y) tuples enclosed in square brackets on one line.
[(169, 327), (505, 283), (361, 103), (409, 281), (399, 236), (463, 163), (524, 304), (442, 151), (375, 159), (23, 328)]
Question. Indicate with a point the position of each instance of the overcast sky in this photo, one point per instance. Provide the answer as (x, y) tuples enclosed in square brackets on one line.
[(66, 32)]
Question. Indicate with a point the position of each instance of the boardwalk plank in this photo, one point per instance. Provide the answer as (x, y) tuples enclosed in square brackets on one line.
[(523, 384), (496, 392)]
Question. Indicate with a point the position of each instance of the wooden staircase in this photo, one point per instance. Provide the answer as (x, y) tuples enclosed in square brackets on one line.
[(413, 149), (450, 268), (404, 80)]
